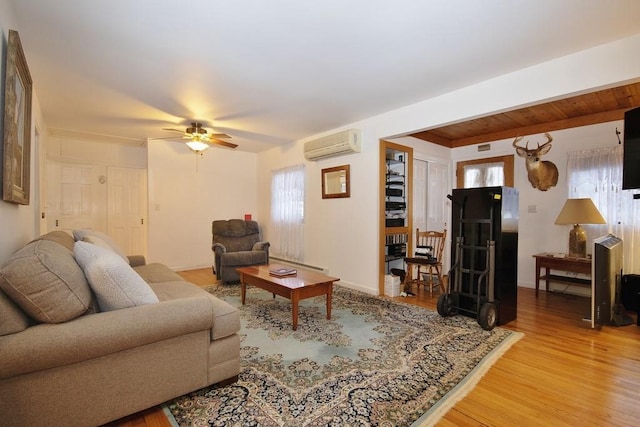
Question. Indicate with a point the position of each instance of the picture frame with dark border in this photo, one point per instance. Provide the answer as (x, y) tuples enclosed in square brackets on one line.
[(17, 124)]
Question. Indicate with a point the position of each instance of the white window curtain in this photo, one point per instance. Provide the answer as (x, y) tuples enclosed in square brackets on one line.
[(597, 174), (484, 175), (287, 213)]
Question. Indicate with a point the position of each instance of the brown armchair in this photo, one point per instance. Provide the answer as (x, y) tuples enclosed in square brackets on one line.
[(236, 243)]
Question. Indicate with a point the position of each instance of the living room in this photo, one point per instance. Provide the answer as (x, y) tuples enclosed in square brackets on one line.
[(186, 192), (344, 254), (351, 221)]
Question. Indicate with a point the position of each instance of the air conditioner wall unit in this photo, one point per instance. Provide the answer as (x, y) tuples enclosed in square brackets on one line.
[(337, 144)]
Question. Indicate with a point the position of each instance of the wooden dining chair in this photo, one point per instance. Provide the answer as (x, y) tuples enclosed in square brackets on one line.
[(427, 259)]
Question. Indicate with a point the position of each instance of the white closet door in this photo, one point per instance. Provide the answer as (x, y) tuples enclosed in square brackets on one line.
[(430, 187), (108, 199), (75, 196), (420, 180), (438, 186), (127, 208)]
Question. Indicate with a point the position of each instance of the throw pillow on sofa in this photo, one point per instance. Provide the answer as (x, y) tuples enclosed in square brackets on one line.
[(115, 284), (100, 239), (44, 280), (98, 242)]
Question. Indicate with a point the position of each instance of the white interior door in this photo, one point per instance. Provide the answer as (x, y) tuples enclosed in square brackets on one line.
[(419, 196), (40, 173), (76, 198), (430, 187), (108, 199), (438, 187), (127, 208)]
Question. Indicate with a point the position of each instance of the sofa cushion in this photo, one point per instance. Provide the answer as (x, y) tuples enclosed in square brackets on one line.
[(155, 272), (235, 234), (44, 280), (237, 259), (100, 239), (114, 282), (12, 319), (97, 241), (60, 237), (234, 228), (226, 318), (136, 260)]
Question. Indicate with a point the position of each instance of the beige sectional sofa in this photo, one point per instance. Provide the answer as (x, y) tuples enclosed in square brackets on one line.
[(65, 362)]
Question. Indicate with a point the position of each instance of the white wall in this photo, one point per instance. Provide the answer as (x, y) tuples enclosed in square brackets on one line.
[(96, 153), (187, 192), (343, 234), (539, 209), (18, 223), (340, 234)]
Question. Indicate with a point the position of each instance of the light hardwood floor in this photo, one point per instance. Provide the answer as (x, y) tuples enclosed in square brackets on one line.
[(560, 373)]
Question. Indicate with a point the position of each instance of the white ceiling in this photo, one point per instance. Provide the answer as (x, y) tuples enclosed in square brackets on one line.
[(273, 71)]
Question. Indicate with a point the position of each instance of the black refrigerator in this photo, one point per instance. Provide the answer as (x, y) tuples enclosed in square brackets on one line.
[(480, 215)]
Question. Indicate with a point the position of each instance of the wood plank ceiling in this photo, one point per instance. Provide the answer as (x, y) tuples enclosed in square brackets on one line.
[(597, 107)]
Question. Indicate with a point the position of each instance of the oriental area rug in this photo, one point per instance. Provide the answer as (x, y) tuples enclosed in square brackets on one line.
[(375, 363)]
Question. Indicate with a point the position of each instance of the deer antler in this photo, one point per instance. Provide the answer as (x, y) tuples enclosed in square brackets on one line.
[(515, 143), (549, 139)]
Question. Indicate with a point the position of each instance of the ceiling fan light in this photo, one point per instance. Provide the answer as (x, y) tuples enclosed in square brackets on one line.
[(197, 146)]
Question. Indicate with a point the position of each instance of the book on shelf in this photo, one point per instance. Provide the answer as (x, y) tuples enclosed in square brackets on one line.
[(282, 271)]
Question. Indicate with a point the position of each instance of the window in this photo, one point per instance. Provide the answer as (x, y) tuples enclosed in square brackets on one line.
[(597, 174), (487, 172), (287, 213)]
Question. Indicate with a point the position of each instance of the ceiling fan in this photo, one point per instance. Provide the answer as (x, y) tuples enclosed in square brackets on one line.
[(199, 140)]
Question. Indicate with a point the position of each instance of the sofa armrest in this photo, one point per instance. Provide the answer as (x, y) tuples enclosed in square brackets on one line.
[(136, 260), (261, 246), (218, 248), (46, 346)]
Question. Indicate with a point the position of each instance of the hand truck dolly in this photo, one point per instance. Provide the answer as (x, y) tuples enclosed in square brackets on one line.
[(472, 290)]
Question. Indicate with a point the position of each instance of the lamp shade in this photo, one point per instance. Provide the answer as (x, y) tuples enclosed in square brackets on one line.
[(576, 212), (197, 146), (579, 211)]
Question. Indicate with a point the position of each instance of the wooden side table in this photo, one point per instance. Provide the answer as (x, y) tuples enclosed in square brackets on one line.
[(561, 264)]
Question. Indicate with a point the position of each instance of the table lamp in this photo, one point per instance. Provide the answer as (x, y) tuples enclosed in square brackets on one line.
[(576, 212)]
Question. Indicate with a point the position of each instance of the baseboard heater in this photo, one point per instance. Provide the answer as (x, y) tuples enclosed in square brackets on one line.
[(296, 264)]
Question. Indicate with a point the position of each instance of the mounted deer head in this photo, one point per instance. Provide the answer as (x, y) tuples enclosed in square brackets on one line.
[(542, 174)]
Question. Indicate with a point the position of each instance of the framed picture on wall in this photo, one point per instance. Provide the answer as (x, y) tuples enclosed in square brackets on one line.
[(17, 124)]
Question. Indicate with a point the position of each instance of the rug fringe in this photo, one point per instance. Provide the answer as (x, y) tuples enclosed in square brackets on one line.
[(169, 416), (460, 391)]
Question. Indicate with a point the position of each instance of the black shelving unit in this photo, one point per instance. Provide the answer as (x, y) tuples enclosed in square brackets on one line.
[(396, 247), (395, 190), (395, 209), (395, 220)]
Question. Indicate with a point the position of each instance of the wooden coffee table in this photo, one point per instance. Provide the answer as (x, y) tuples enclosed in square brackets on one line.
[(305, 284)]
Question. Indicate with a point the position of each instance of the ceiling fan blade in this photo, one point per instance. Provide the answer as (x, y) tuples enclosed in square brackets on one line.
[(174, 130), (218, 135), (223, 143), (175, 138)]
